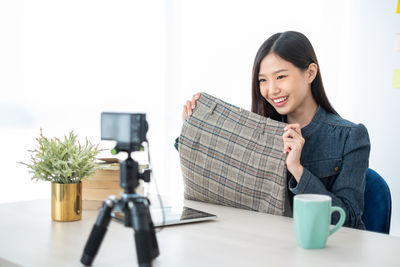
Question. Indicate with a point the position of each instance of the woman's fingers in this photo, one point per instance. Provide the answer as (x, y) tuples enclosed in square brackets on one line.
[(296, 140), (293, 131), (294, 126), (195, 97), (292, 140), (184, 113), (293, 143), (189, 106), (289, 141), (288, 146), (187, 110), (292, 134)]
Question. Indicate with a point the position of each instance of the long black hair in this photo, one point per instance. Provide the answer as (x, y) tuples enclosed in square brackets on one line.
[(296, 48)]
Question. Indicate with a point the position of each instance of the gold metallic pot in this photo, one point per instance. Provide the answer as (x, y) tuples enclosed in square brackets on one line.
[(66, 202)]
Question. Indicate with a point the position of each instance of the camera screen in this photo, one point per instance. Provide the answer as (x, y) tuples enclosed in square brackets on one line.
[(116, 127)]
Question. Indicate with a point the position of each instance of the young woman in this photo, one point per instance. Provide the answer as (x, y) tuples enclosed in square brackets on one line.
[(326, 154)]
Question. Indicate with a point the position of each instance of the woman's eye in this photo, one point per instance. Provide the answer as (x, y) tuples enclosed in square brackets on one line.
[(281, 76), (262, 80)]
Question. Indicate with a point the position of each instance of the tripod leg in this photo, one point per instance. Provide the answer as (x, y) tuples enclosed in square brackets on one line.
[(98, 231), (145, 237)]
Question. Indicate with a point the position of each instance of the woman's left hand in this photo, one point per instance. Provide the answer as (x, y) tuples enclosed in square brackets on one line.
[(293, 143)]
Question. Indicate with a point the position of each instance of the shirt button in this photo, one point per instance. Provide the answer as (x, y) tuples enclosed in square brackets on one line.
[(336, 168)]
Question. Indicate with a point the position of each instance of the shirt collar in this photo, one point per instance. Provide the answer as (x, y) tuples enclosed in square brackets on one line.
[(315, 123)]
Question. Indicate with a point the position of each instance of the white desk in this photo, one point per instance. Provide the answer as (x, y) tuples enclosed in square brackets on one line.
[(28, 237)]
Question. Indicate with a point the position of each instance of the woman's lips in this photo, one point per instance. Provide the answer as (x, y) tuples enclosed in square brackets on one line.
[(280, 102)]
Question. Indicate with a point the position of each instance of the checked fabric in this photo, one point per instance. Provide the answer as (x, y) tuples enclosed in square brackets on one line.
[(233, 157)]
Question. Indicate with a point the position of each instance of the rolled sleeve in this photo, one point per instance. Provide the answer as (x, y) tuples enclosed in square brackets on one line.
[(308, 182)]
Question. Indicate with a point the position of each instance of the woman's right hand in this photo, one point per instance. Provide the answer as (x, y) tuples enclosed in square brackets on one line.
[(189, 106)]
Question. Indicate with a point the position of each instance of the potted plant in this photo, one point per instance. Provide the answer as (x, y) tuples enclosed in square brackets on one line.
[(64, 163)]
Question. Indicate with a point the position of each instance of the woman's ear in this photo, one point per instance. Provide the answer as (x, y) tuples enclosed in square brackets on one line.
[(312, 72)]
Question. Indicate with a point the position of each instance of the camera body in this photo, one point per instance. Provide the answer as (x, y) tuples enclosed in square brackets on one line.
[(128, 129)]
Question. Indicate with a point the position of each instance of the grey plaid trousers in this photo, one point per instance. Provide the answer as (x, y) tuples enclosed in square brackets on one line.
[(233, 157)]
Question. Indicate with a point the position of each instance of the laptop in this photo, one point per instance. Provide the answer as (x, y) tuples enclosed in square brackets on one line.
[(173, 216)]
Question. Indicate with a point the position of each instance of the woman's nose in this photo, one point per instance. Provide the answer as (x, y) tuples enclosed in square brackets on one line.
[(273, 89)]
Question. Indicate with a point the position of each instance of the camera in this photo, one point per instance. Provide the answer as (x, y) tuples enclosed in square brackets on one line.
[(128, 129)]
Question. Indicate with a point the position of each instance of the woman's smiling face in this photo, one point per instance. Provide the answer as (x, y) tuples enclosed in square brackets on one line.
[(286, 87)]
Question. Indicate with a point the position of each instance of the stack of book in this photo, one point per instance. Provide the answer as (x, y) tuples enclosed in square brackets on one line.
[(102, 184)]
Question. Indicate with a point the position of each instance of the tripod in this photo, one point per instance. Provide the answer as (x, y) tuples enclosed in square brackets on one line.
[(137, 216)]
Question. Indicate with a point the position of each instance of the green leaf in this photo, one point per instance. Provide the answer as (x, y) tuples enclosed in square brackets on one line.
[(62, 161)]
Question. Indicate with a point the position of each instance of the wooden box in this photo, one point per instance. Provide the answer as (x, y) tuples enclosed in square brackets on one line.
[(101, 185)]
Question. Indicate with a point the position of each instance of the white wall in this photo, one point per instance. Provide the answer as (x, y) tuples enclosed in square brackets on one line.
[(374, 100), (64, 62)]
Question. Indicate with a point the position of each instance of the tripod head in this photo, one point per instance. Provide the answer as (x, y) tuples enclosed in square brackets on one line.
[(129, 130)]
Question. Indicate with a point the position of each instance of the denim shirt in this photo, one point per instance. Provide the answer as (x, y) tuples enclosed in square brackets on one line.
[(335, 158)]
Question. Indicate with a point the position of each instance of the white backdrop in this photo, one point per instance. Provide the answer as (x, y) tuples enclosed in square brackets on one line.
[(373, 99), (63, 62)]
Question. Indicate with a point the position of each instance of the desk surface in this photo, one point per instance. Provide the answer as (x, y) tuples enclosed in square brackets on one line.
[(28, 237)]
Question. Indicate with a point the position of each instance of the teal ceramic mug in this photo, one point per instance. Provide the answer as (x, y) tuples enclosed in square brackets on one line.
[(312, 219)]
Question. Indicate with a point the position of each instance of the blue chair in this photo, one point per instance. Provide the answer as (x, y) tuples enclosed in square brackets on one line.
[(377, 203)]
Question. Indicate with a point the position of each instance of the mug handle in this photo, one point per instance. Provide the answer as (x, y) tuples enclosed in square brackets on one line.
[(341, 220)]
